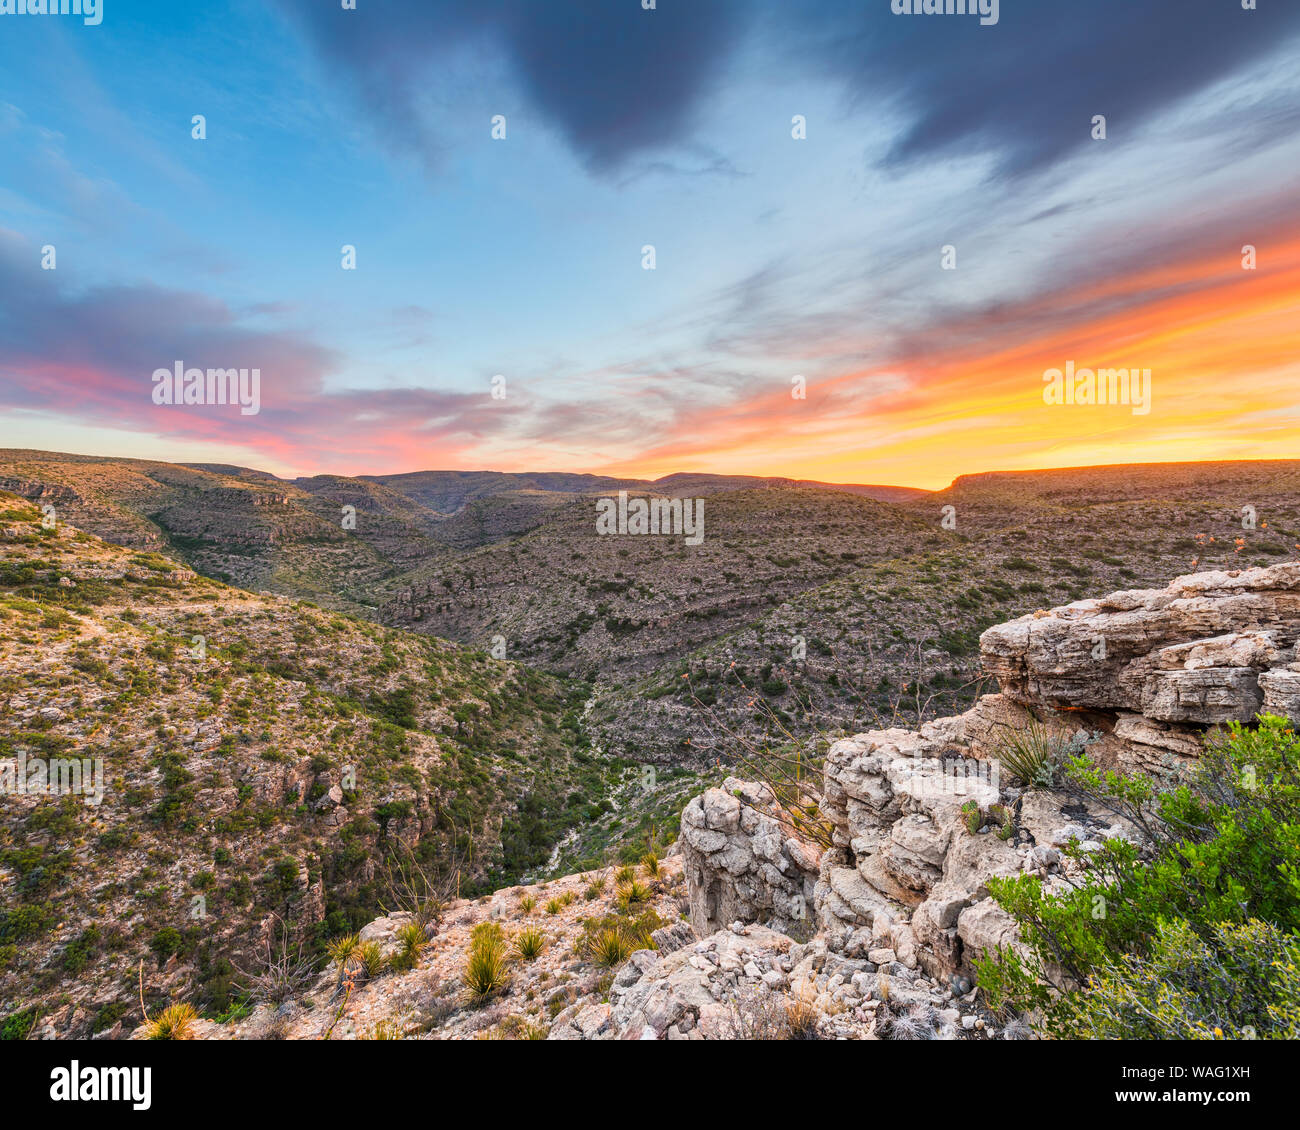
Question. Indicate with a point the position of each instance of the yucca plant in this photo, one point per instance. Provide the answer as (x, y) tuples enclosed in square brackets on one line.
[(1032, 755), (487, 930), (632, 893), (342, 948), (372, 958), (568, 898), (554, 906), (610, 948), (595, 886), (412, 940), (530, 943), (175, 1022), (625, 874), (527, 903), (650, 862), (487, 970)]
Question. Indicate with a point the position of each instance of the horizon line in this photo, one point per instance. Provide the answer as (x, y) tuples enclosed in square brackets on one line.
[(203, 464)]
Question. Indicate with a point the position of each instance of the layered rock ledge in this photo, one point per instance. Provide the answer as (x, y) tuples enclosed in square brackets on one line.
[(1144, 675)]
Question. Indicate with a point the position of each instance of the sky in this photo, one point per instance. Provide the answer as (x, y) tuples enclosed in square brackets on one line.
[(877, 300)]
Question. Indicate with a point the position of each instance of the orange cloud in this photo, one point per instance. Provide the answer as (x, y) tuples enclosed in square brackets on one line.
[(1222, 344)]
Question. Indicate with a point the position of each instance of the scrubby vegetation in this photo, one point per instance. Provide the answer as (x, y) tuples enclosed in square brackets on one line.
[(1195, 936)]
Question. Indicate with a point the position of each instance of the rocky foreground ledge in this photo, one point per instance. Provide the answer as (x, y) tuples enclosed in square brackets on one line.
[(872, 934)]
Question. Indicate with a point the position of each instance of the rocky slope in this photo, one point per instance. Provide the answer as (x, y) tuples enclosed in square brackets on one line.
[(263, 762), (231, 524), (870, 932)]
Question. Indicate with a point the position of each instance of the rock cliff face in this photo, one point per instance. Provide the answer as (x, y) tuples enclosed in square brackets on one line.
[(904, 881), (1212, 647)]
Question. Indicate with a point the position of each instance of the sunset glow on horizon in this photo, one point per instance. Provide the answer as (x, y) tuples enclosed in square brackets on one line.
[(936, 241)]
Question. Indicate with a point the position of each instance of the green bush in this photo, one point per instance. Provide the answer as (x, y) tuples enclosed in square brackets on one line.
[(1240, 984), (1220, 874)]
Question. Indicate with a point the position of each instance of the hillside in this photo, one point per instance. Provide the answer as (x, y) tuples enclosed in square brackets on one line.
[(809, 613), (247, 528), (878, 898), (265, 766), (809, 609)]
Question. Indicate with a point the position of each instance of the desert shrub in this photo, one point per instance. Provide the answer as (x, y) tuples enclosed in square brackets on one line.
[(756, 1015), (17, 1025), (1241, 983), (801, 1015), (1219, 872), (109, 1015), (175, 1022), (521, 1028), (279, 973), (165, 943)]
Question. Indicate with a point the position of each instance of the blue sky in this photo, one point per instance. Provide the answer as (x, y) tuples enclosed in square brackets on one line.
[(672, 127)]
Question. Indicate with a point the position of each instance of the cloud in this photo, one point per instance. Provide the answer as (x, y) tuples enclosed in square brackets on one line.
[(88, 356), (619, 82), (1027, 88), (615, 80)]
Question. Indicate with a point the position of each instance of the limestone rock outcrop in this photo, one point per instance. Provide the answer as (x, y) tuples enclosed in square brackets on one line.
[(1209, 648), (920, 821), (743, 860)]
